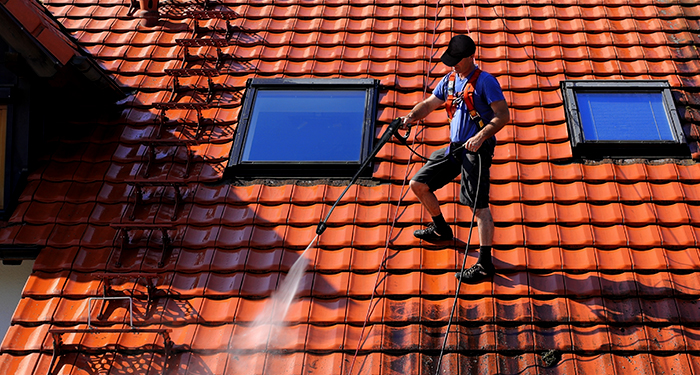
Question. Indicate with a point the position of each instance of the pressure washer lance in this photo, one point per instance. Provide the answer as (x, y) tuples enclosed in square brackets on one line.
[(393, 129)]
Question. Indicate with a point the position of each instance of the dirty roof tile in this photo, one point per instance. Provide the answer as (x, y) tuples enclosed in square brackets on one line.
[(675, 361), (623, 311)]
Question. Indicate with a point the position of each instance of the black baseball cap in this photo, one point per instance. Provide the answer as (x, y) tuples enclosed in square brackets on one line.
[(460, 46)]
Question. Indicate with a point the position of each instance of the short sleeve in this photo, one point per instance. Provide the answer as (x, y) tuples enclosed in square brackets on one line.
[(492, 89), (440, 90)]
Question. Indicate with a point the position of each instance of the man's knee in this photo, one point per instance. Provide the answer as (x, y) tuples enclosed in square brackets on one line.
[(418, 187), (484, 215)]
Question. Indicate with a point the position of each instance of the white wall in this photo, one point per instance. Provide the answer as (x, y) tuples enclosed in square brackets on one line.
[(12, 280)]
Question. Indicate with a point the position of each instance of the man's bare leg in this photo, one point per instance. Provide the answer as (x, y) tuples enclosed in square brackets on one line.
[(440, 230), (484, 266)]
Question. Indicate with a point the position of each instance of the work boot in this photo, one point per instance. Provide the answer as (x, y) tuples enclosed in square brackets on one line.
[(475, 274), (432, 233)]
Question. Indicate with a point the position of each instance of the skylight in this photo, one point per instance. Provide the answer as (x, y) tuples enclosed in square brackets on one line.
[(620, 119), (304, 127)]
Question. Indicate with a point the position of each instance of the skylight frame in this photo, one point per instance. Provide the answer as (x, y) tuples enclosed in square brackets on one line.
[(599, 149), (239, 166)]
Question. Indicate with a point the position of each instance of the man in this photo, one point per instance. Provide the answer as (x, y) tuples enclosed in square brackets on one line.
[(478, 141)]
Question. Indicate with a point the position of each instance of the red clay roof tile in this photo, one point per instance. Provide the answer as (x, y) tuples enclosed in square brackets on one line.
[(615, 259), (638, 214), (579, 213), (512, 311)]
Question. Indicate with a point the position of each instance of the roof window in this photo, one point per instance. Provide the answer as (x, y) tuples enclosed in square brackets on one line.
[(304, 127), (623, 119)]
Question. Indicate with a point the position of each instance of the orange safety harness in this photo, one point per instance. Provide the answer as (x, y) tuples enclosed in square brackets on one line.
[(454, 100)]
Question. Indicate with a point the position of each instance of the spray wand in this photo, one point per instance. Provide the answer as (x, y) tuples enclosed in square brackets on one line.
[(393, 129)]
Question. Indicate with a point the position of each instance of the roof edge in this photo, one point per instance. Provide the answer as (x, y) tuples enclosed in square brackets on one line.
[(43, 63), (16, 253)]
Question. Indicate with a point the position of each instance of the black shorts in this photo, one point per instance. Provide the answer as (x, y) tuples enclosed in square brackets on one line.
[(439, 173)]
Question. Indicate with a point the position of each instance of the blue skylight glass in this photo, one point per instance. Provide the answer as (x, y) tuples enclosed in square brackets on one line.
[(629, 116), (622, 119), (306, 126)]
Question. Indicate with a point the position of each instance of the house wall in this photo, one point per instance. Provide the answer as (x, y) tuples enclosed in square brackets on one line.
[(12, 280)]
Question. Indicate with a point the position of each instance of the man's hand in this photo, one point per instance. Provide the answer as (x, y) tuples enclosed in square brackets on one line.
[(474, 143), (499, 120), (421, 110), (406, 122)]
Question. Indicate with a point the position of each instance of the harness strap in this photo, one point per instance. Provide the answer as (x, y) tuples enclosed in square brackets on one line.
[(467, 95)]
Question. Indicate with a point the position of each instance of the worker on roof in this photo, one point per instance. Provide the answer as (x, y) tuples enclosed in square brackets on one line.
[(477, 110)]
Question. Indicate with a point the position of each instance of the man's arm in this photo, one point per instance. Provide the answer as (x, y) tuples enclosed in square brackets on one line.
[(421, 110), (500, 118)]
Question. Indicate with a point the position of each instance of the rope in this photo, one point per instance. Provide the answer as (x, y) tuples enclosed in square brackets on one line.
[(382, 266), (531, 58), (471, 226), (466, 21), (469, 237), (459, 283), (370, 308)]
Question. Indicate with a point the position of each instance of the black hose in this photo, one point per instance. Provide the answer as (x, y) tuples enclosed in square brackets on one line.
[(464, 264), (404, 139), (391, 130), (437, 160)]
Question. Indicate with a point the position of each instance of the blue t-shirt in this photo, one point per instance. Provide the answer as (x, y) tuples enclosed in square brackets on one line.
[(486, 91)]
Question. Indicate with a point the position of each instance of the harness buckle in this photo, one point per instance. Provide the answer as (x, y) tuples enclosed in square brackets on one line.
[(474, 116)]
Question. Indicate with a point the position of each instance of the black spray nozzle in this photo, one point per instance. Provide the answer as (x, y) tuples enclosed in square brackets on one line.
[(394, 127), (391, 130), (321, 228)]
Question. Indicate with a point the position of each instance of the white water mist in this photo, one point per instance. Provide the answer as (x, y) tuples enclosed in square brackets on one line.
[(264, 333)]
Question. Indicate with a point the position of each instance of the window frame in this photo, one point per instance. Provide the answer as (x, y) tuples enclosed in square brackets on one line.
[(4, 120), (600, 149), (302, 169), (6, 107)]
